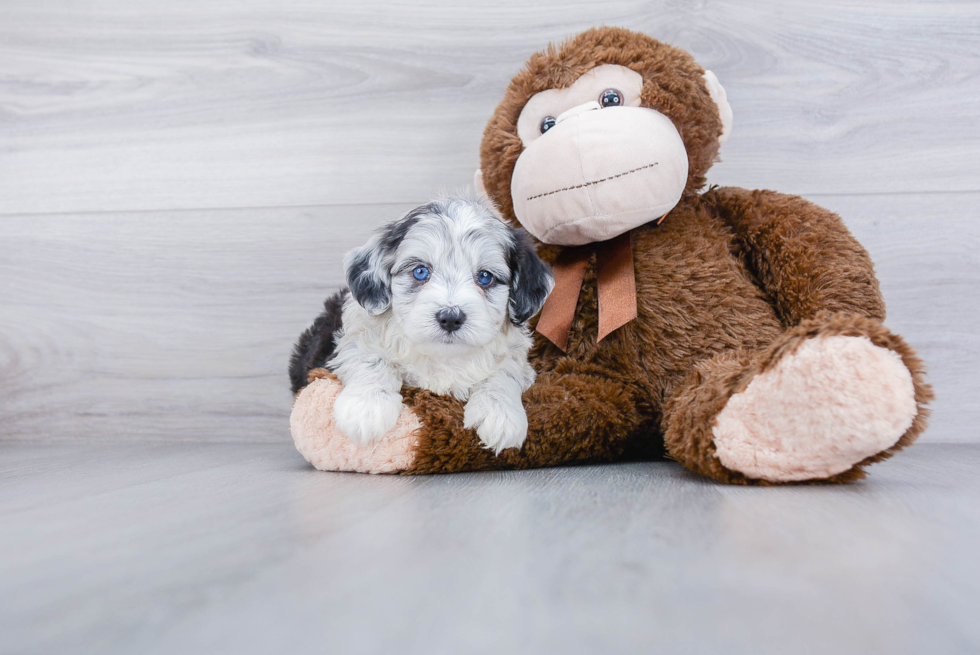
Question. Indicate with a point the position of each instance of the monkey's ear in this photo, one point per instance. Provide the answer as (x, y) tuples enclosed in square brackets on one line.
[(369, 277), (531, 280), (717, 93), (478, 183)]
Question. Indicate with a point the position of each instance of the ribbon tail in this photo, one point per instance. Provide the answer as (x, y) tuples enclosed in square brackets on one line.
[(558, 312), (617, 284)]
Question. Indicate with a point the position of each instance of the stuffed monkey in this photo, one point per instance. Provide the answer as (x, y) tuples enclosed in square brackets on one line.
[(739, 332)]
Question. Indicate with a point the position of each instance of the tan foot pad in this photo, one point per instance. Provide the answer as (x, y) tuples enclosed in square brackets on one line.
[(833, 403)]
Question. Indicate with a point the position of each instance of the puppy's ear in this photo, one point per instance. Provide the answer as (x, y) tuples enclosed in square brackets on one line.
[(368, 268), (531, 279), (369, 278)]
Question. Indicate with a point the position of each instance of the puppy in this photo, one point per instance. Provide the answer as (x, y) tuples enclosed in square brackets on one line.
[(438, 299)]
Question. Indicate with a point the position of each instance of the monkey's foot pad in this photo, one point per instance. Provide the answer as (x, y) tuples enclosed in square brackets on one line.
[(832, 403)]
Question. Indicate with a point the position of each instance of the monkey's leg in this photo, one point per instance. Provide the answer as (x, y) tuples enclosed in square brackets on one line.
[(827, 398), (575, 415)]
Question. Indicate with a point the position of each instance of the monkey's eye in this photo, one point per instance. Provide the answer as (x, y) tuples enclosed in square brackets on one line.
[(611, 98), (547, 123), (484, 278), (421, 273)]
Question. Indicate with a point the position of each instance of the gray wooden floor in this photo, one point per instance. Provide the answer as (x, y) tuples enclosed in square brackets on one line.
[(178, 183), (241, 548)]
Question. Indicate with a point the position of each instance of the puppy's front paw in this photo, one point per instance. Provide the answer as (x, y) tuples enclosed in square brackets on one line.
[(499, 423), (366, 415)]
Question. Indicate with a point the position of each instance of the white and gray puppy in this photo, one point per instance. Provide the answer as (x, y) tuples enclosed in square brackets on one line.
[(439, 299)]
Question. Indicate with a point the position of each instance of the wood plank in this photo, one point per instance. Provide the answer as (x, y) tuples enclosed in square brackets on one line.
[(111, 106), (163, 325), (178, 325), (242, 548)]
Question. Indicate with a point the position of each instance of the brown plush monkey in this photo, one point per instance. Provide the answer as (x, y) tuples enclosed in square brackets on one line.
[(740, 330)]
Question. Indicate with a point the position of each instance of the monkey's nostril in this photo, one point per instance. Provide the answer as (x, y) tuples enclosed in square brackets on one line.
[(451, 318)]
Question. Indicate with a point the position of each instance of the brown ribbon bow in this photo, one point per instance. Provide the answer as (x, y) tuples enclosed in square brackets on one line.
[(616, 286)]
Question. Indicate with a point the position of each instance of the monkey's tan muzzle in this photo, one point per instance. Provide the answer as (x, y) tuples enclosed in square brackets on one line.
[(598, 174)]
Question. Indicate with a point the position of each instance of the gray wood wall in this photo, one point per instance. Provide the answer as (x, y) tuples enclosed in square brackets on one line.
[(178, 180)]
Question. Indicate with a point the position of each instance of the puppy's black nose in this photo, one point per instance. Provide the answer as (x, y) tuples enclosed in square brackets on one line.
[(451, 318)]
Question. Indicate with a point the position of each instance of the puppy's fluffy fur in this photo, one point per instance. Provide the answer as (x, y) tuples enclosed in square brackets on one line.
[(385, 331)]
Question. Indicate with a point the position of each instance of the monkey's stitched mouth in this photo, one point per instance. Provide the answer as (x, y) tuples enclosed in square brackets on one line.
[(593, 182)]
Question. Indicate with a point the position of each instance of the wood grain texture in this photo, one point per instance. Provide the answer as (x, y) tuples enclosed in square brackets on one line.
[(243, 548), (178, 325), (120, 106)]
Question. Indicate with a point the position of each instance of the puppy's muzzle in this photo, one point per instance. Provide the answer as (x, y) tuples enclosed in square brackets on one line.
[(451, 318)]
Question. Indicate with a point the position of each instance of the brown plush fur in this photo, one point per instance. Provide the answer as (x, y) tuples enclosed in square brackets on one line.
[(579, 417), (730, 283), (715, 308)]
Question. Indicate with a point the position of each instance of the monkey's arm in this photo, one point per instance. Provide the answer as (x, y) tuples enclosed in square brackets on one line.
[(803, 255), (575, 414)]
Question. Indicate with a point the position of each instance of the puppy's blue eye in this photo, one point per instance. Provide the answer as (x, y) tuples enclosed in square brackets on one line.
[(421, 273), (484, 278), (547, 123)]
